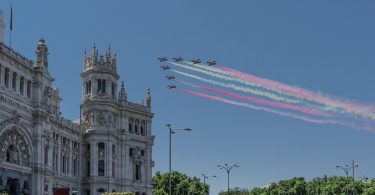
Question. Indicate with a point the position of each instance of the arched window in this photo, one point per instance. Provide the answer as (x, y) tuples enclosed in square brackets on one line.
[(99, 85), (9, 153), (136, 129), (88, 87), (14, 81), (22, 83), (103, 85), (28, 89), (113, 89), (130, 125), (6, 78)]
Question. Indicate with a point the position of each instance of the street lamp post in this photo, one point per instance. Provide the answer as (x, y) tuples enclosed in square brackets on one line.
[(227, 169), (172, 130), (206, 177), (347, 168)]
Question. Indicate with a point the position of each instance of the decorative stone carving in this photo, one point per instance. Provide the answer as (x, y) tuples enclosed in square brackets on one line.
[(15, 119), (42, 54), (13, 148), (101, 119)]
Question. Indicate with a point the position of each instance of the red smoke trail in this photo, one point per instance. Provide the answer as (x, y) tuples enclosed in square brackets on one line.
[(260, 101), (303, 118), (295, 91)]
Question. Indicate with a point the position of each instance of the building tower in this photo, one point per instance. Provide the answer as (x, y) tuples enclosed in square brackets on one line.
[(100, 114), (117, 141)]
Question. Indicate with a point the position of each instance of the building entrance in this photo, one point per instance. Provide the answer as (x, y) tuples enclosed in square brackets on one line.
[(61, 191), (13, 186)]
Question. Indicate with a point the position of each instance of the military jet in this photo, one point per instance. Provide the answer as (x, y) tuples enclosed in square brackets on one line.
[(170, 77), (165, 67), (178, 59), (196, 61), (211, 63), (171, 86), (163, 59)]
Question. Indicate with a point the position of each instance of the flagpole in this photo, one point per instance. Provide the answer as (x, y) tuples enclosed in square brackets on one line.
[(11, 26)]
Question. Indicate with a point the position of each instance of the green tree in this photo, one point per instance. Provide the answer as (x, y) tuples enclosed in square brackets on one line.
[(236, 191), (181, 184)]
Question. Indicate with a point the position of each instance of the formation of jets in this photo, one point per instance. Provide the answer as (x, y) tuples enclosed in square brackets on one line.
[(163, 59), (196, 61), (211, 63), (179, 59), (165, 67), (171, 86), (170, 77)]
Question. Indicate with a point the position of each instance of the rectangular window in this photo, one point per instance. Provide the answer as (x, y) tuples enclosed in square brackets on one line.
[(75, 167), (63, 164), (88, 168), (46, 156), (137, 172), (130, 151), (113, 169), (54, 161), (101, 167)]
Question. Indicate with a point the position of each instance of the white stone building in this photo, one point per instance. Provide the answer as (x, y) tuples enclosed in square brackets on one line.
[(43, 153)]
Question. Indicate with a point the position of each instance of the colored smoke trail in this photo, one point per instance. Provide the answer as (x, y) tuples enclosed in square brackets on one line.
[(260, 101), (303, 118), (330, 103), (237, 88)]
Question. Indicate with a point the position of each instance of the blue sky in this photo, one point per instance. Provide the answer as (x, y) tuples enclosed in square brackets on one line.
[(324, 46)]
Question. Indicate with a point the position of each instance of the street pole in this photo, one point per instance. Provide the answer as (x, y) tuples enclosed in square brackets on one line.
[(227, 169), (204, 180), (346, 168), (170, 159), (170, 154)]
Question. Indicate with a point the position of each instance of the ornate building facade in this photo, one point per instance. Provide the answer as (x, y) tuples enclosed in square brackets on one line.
[(41, 152)]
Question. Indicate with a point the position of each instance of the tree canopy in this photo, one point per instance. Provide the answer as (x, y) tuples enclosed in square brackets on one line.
[(181, 184), (321, 185)]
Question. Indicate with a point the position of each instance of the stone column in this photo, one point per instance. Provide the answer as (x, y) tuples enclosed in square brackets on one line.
[(2, 71), (58, 159)]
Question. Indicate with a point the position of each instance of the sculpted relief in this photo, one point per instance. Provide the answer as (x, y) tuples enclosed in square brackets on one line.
[(14, 149), (100, 119)]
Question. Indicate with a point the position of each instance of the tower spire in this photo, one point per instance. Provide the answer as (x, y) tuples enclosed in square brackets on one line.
[(148, 99), (122, 92), (42, 53)]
